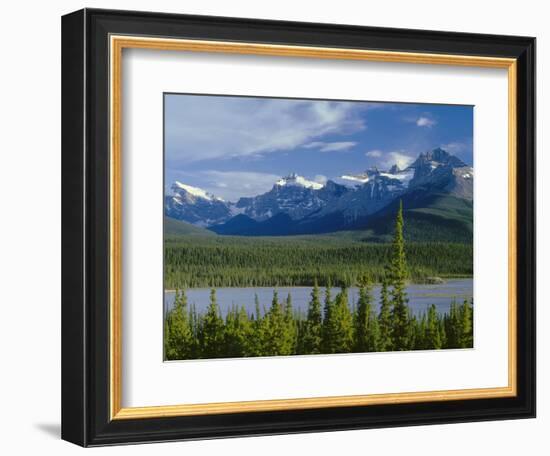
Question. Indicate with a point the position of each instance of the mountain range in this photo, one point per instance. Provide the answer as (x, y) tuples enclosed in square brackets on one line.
[(436, 191)]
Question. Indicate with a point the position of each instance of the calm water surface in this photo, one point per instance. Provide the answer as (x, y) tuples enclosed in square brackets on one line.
[(420, 296)]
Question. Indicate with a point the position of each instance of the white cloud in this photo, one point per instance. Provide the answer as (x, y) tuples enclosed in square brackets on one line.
[(330, 146), (209, 127), (400, 159), (387, 159), (374, 153), (454, 147), (425, 122)]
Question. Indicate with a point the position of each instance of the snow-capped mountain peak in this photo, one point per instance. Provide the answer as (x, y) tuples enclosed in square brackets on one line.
[(195, 205), (439, 169), (339, 202), (293, 195), (374, 174), (294, 180), (195, 191)]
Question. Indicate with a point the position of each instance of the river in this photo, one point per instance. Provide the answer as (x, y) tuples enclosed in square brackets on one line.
[(420, 296)]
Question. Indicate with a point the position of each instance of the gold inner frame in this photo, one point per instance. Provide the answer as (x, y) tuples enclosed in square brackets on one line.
[(117, 44)]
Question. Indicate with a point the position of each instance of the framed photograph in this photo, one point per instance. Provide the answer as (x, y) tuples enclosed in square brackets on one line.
[(278, 227)]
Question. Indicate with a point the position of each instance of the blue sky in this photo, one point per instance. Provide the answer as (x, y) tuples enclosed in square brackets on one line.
[(239, 146)]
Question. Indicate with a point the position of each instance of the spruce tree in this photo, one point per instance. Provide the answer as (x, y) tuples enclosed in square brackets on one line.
[(453, 327), (238, 333), (195, 323), (291, 329), (328, 317), (338, 334), (312, 332), (345, 322), (246, 332), (212, 330), (366, 324), (397, 272), (442, 331), (231, 334), (385, 319), (466, 326), (373, 340), (433, 334), (178, 336), (413, 330), (420, 337), (258, 331), (275, 342)]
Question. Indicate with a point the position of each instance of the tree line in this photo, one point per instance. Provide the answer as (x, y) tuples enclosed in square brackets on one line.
[(221, 261), (329, 326)]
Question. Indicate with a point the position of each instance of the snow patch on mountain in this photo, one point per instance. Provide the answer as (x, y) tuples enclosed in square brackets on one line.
[(234, 210), (404, 176), (361, 178), (195, 191), (294, 180)]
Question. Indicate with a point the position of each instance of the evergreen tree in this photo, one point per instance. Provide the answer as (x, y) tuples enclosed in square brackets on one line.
[(258, 330), (327, 320), (413, 330), (212, 331), (442, 331), (433, 334), (397, 274), (366, 324), (195, 322), (291, 330), (232, 344), (338, 334), (257, 305), (178, 336), (466, 326), (373, 340), (420, 336), (238, 333), (345, 323), (453, 327), (328, 299), (385, 319), (312, 332), (276, 340)]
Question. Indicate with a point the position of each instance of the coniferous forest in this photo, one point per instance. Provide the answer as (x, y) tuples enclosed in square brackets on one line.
[(330, 325), (227, 261)]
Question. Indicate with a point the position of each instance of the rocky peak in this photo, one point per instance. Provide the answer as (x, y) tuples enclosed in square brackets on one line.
[(437, 157), (394, 170)]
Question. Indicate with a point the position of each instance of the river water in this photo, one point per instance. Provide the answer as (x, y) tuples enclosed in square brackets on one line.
[(420, 296)]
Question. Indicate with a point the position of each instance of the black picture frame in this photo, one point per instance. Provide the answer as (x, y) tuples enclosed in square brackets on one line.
[(85, 228)]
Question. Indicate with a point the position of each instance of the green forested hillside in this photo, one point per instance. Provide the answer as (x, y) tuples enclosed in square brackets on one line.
[(217, 261), (437, 217)]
